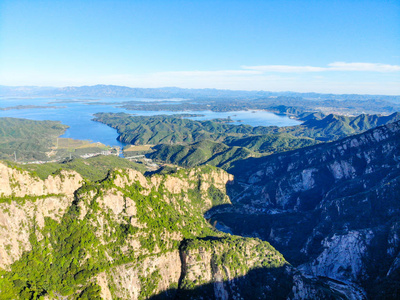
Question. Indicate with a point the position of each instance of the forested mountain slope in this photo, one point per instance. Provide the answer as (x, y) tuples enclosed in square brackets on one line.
[(31, 139), (139, 130), (186, 142), (132, 237), (332, 209)]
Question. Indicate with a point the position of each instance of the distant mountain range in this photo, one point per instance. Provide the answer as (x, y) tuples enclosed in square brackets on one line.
[(170, 92)]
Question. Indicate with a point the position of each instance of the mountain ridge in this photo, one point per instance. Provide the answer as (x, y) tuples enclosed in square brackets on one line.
[(131, 237), (332, 209)]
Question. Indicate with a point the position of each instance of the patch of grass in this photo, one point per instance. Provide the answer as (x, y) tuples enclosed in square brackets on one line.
[(93, 169)]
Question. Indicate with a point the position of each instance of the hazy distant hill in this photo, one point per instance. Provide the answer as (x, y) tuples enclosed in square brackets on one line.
[(123, 91), (288, 103), (171, 92)]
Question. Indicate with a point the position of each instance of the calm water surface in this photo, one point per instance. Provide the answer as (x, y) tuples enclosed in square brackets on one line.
[(78, 115)]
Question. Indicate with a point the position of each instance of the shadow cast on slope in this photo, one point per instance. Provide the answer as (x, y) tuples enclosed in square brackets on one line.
[(264, 283), (260, 283)]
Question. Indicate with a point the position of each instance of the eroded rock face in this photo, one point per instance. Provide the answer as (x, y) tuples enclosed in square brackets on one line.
[(331, 209), (342, 257), (130, 279), (217, 177), (128, 177), (201, 264), (102, 281), (196, 179), (324, 288), (176, 185), (15, 226), (21, 184), (115, 201), (17, 218)]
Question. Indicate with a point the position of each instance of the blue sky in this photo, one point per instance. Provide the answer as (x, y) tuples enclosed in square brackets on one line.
[(306, 46)]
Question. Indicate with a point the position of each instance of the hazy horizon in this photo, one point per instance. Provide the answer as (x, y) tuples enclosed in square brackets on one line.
[(177, 87)]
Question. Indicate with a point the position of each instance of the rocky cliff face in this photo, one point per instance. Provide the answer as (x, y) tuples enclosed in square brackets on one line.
[(331, 209), (28, 201), (19, 183), (286, 181), (131, 237)]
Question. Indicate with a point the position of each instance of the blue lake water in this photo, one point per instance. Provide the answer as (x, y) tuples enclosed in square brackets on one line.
[(78, 115)]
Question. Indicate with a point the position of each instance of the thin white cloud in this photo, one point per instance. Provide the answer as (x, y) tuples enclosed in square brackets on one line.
[(284, 68), (211, 73), (366, 67), (335, 66)]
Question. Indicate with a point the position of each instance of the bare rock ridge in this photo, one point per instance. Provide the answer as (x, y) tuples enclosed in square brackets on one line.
[(331, 209)]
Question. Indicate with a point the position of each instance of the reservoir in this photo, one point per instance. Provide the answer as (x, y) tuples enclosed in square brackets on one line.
[(78, 115)]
